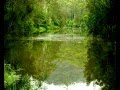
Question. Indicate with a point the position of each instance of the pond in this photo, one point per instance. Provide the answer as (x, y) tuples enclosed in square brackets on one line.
[(49, 62)]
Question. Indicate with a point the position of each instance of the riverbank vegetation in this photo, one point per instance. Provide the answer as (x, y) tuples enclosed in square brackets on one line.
[(27, 18), (97, 20)]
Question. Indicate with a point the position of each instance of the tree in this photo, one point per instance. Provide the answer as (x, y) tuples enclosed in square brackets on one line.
[(102, 26)]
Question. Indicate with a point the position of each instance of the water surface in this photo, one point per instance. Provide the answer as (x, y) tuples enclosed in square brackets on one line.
[(55, 61)]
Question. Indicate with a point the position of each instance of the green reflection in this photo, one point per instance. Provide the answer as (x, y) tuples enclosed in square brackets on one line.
[(34, 58), (51, 61)]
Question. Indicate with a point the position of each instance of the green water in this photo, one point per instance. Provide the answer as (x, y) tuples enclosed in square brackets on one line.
[(59, 60)]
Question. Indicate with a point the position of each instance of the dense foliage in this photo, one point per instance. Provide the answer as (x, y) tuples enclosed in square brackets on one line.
[(10, 76), (33, 17), (103, 27)]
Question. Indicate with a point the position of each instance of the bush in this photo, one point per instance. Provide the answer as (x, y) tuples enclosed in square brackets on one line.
[(10, 76)]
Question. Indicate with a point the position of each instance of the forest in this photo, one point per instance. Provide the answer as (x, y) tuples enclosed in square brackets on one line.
[(26, 18), (96, 20)]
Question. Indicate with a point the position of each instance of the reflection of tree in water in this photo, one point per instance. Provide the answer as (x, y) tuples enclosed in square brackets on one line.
[(101, 63), (102, 23), (35, 58)]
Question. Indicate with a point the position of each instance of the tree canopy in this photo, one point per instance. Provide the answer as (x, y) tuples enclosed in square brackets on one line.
[(26, 18)]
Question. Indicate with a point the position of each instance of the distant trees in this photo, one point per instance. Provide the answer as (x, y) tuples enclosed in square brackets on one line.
[(25, 18), (103, 27)]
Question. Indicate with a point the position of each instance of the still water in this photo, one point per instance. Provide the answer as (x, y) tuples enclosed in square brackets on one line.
[(50, 62)]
